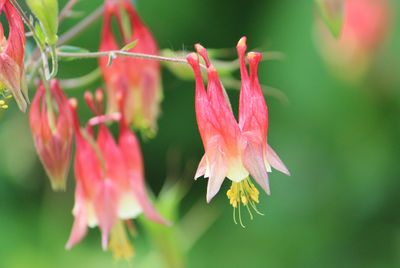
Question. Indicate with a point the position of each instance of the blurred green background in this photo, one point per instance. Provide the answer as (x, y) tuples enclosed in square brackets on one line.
[(340, 207)]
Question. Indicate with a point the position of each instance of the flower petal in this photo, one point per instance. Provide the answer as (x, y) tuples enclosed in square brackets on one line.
[(133, 158), (79, 227), (274, 160), (253, 160), (105, 203), (217, 171), (201, 170)]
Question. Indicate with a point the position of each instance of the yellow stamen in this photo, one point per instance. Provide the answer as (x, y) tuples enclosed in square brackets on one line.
[(119, 243), (246, 194), (4, 96)]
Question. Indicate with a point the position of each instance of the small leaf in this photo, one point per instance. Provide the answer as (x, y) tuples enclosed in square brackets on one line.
[(332, 13), (129, 46), (72, 49), (39, 34), (46, 11)]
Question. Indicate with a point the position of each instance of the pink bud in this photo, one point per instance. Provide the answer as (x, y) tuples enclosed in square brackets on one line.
[(52, 132), (365, 27)]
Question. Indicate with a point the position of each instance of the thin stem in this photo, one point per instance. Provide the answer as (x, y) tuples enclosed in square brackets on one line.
[(49, 103), (54, 62), (82, 81), (65, 12), (34, 70), (23, 16), (81, 26), (114, 53)]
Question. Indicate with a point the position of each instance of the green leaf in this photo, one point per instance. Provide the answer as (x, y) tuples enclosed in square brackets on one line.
[(40, 35), (46, 11), (332, 13), (71, 49), (129, 46)]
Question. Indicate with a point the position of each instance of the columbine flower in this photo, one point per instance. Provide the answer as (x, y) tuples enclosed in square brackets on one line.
[(234, 150), (365, 27), (52, 132), (12, 51), (137, 79), (110, 183)]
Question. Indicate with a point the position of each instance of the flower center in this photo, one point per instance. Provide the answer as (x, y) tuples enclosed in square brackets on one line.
[(119, 243), (246, 194), (4, 97)]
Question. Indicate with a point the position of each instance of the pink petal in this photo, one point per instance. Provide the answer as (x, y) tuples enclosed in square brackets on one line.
[(105, 204), (133, 157), (253, 161), (79, 227), (274, 160), (201, 170), (217, 173)]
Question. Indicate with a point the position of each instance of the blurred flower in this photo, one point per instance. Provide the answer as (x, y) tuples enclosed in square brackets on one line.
[(52, 132), (110, 182), (233, 150), (331, 12), (137, 79), (365, 27), (12, 51)]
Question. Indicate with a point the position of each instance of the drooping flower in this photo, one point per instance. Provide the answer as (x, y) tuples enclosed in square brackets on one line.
[(138, 79), (52, 132), (110, 182), (365, 27), (12, 50), (233, 150)]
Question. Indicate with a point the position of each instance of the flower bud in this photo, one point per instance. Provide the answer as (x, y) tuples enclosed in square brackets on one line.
[(52, 131)]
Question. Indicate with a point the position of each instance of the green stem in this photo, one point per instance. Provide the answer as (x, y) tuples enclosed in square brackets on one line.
[(49, 103), (114, 53), (81, 26), (82, 81), (65, 12), (54, 62)]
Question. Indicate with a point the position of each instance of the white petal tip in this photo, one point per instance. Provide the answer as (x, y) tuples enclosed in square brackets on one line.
[(104, 242)]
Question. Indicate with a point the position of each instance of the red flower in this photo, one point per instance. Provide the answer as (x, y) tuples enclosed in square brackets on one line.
[(52, 133), (110, 181), (137, 79), (233, 150), (12, 56), (365, 28)]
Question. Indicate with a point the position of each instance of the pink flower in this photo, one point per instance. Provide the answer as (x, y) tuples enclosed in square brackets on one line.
[(365, 28), (137, 79), (233, 150), (12, 56), (110, 182), (52, 133)]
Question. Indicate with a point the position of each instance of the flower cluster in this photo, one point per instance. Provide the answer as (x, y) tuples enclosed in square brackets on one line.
[(137, 79), (109, 177), (110, 188), (235, 150)]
